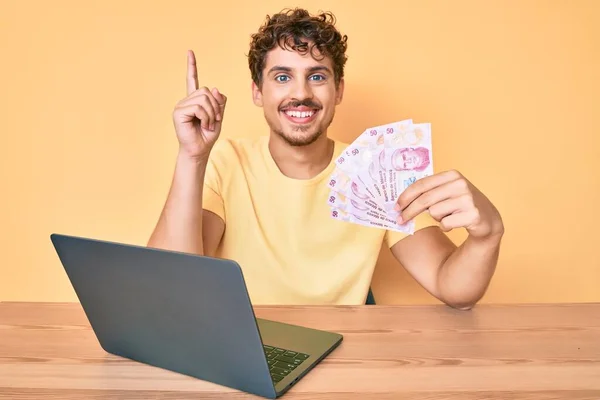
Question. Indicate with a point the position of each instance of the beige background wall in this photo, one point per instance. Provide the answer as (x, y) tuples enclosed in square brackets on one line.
[(511, 89)]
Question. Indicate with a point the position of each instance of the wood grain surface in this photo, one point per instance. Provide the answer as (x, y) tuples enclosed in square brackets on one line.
[(48, 351)]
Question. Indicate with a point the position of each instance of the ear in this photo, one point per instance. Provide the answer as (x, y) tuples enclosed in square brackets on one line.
[(339, 92), (256, 95)]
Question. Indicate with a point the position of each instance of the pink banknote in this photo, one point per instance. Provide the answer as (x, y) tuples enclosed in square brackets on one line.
[(340, 201), (375, 169), (346, 216), (355, 161), (354, 189), (407, 157)]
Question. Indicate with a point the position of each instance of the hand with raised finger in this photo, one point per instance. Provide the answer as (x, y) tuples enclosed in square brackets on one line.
[(454, 202), (199, 116)]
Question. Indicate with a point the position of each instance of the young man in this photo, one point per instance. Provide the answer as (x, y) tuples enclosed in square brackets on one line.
[(262, 202)]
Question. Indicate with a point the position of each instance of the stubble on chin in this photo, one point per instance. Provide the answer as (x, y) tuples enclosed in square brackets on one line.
[(303, 139), (299, 140)]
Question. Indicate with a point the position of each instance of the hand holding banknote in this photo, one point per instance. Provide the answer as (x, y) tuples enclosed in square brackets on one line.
[(454, 202), (375, 169), (385, 178)]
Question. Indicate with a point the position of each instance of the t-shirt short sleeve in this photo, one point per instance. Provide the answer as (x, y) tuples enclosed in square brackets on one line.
[(422, 220), (212, 199)]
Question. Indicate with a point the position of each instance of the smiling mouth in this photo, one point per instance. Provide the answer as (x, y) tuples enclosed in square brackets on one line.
[(300, 116)]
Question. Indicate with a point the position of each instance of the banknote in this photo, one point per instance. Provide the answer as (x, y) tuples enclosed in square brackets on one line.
[(354, 190), (343, 215), (377, 168), (346, 196), (344, 202), (357, 158), (407, 157), (369, 150), (374, 170)]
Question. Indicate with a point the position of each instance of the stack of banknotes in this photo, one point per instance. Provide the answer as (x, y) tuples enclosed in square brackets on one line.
[(375, 169)]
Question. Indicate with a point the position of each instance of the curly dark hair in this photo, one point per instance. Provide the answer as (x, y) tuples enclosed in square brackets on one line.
[(288, 29)]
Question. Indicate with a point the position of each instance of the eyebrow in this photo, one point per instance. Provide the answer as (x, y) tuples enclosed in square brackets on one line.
[(316, 68)]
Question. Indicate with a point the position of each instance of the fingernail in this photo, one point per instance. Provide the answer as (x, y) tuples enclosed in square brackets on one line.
[(400, 220), (218, 117), (397, 207), (212, 127)]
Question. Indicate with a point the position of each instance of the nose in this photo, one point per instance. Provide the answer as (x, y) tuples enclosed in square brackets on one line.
[(302, 90)]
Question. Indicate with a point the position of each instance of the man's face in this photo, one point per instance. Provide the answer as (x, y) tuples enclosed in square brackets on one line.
[(298, 95), (411, 159)]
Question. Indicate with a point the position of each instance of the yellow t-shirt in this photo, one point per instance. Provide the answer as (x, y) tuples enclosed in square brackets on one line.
[(280, 230)]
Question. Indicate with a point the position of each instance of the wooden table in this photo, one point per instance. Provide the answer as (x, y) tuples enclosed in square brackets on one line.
[(48, 351)]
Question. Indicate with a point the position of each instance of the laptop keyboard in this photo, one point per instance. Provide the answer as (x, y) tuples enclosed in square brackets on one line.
[(282, 361)]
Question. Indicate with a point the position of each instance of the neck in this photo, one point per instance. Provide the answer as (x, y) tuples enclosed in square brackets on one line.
[(301, 162)]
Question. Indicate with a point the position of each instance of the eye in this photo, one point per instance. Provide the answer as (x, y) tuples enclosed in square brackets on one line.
[(281, 78), (318, 77)]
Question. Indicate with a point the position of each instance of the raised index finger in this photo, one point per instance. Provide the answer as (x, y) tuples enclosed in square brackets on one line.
[(192, 73)]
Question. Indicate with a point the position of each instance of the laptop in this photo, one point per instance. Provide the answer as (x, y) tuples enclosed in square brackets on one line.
[(187, 313)]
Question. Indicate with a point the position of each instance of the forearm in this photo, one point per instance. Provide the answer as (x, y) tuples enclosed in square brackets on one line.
[(465, 275), (179, 226)]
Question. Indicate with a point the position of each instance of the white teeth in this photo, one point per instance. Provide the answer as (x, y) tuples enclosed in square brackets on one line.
[(300, 114)]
